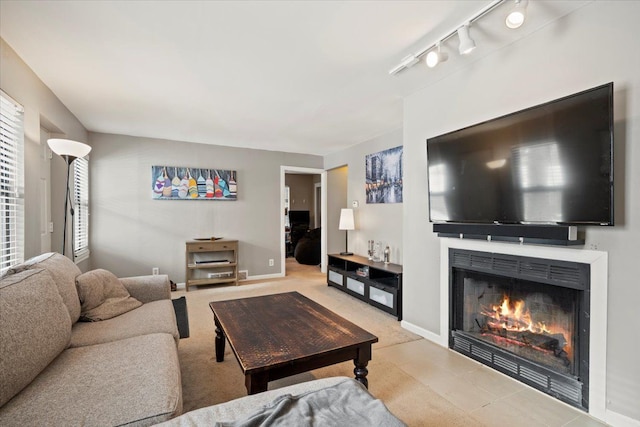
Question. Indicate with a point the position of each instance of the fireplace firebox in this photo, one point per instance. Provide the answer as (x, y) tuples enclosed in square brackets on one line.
[(525, 317)]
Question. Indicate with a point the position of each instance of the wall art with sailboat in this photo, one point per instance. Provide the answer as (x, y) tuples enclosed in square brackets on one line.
[(183, 183)]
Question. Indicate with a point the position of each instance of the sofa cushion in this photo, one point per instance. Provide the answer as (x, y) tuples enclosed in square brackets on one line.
[(103, 296), (34, 328), (242, 407), (152, 317), (148, 288), (329, 401), (28, 264), (64, 273), (129, 382)]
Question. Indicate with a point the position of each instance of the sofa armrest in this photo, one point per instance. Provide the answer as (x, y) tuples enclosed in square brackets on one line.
[(148, 288)]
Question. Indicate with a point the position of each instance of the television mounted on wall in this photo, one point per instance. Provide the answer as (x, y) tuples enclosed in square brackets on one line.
[(551, 164)]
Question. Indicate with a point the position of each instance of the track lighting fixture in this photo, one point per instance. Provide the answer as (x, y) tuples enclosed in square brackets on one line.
[(407, 62), (515, 18), (466, 42), (436, 56)]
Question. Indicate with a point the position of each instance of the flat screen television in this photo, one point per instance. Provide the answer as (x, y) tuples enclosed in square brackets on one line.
[(548, 164), (299, 217)]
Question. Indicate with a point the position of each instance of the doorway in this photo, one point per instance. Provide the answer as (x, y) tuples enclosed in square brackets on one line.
[(308, 203)]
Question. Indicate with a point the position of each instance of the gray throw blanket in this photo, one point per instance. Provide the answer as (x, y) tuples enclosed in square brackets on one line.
[(344, 404)]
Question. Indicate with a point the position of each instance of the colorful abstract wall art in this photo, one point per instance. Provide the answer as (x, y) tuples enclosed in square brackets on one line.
[(181, 183), (383, 172)]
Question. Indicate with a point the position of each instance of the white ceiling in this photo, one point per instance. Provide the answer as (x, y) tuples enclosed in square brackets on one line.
[(296, 76)]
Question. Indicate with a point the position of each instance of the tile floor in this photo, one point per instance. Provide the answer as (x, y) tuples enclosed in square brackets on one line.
[(488, 396)]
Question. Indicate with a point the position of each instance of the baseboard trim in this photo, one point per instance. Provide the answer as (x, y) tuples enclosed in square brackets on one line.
[(428, 335), (264, 276), (619, 420)]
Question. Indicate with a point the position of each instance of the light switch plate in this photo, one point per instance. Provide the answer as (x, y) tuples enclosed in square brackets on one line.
[(355, 204)]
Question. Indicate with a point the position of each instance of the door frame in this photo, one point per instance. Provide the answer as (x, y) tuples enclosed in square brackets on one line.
[(323, 210), (317, 207)]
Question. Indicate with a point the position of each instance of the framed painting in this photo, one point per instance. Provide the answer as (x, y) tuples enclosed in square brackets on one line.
[(383, 172), (183, 183)]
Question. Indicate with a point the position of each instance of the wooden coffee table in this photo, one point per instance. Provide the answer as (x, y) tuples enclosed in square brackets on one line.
[(275, 336)]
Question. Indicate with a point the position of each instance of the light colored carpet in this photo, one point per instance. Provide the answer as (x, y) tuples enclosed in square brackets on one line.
[(206, 382)]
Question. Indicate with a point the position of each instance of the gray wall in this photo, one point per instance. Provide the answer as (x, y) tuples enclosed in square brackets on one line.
[(41, 109), (594, 45), (131, 233), (381, 221)]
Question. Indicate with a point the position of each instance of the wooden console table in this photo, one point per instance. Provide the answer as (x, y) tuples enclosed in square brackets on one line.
[(378, 284), (209, 262)]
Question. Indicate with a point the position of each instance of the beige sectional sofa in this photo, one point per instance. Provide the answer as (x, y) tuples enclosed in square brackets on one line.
[(57, 370)]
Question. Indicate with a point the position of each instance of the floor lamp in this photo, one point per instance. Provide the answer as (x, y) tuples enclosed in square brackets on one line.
[(346, 223), (69, 150)]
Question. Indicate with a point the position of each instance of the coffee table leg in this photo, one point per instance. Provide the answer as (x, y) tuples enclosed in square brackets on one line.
[(361, 372), (361, 362), (256, 383), (220, 340)]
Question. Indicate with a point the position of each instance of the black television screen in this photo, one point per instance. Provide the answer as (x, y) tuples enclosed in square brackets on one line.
[(299, 217), (548, 164)]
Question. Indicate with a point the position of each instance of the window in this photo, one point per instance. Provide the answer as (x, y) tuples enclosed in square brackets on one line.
[(81, 203), (11, 182)]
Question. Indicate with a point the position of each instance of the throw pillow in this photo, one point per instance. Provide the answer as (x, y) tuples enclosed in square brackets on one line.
[(103, 296)]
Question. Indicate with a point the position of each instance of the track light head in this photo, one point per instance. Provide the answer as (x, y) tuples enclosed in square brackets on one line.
[(466, 42), (435, 57), (515, 18)]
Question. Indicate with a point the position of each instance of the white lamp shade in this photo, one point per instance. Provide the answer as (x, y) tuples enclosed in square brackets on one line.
[(346, 220), (67, 147)]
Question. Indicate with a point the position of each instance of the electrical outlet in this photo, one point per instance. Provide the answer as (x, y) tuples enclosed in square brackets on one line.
[(271, 262), (155, 271)]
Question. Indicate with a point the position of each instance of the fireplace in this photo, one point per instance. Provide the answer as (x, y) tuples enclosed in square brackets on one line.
[(526, 317)]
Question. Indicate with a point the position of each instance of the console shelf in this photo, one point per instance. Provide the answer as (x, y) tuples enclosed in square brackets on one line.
[(378, 284), (211, 262)]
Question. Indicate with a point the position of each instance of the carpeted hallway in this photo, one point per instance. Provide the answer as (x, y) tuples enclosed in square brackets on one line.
[(420, 382)]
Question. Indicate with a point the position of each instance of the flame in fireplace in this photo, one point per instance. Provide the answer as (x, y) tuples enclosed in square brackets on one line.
[(514, 317), (510, 318)]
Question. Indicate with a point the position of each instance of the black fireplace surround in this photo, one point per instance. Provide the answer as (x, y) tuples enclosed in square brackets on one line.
[(525, 317)]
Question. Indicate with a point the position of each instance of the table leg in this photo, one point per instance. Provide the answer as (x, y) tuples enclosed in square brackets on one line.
[(256, 383), (220, 340), (361, 362), (361, 372)]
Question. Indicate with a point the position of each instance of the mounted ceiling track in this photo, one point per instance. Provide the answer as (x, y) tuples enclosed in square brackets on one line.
[(514, 19)]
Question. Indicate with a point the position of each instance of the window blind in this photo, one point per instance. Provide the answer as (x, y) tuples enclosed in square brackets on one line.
[(11, 182), (81, 202)]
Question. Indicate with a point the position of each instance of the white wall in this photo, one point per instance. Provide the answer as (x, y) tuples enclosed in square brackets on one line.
[(131, 233), (41, 109), (375, 221), (596, 44)]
